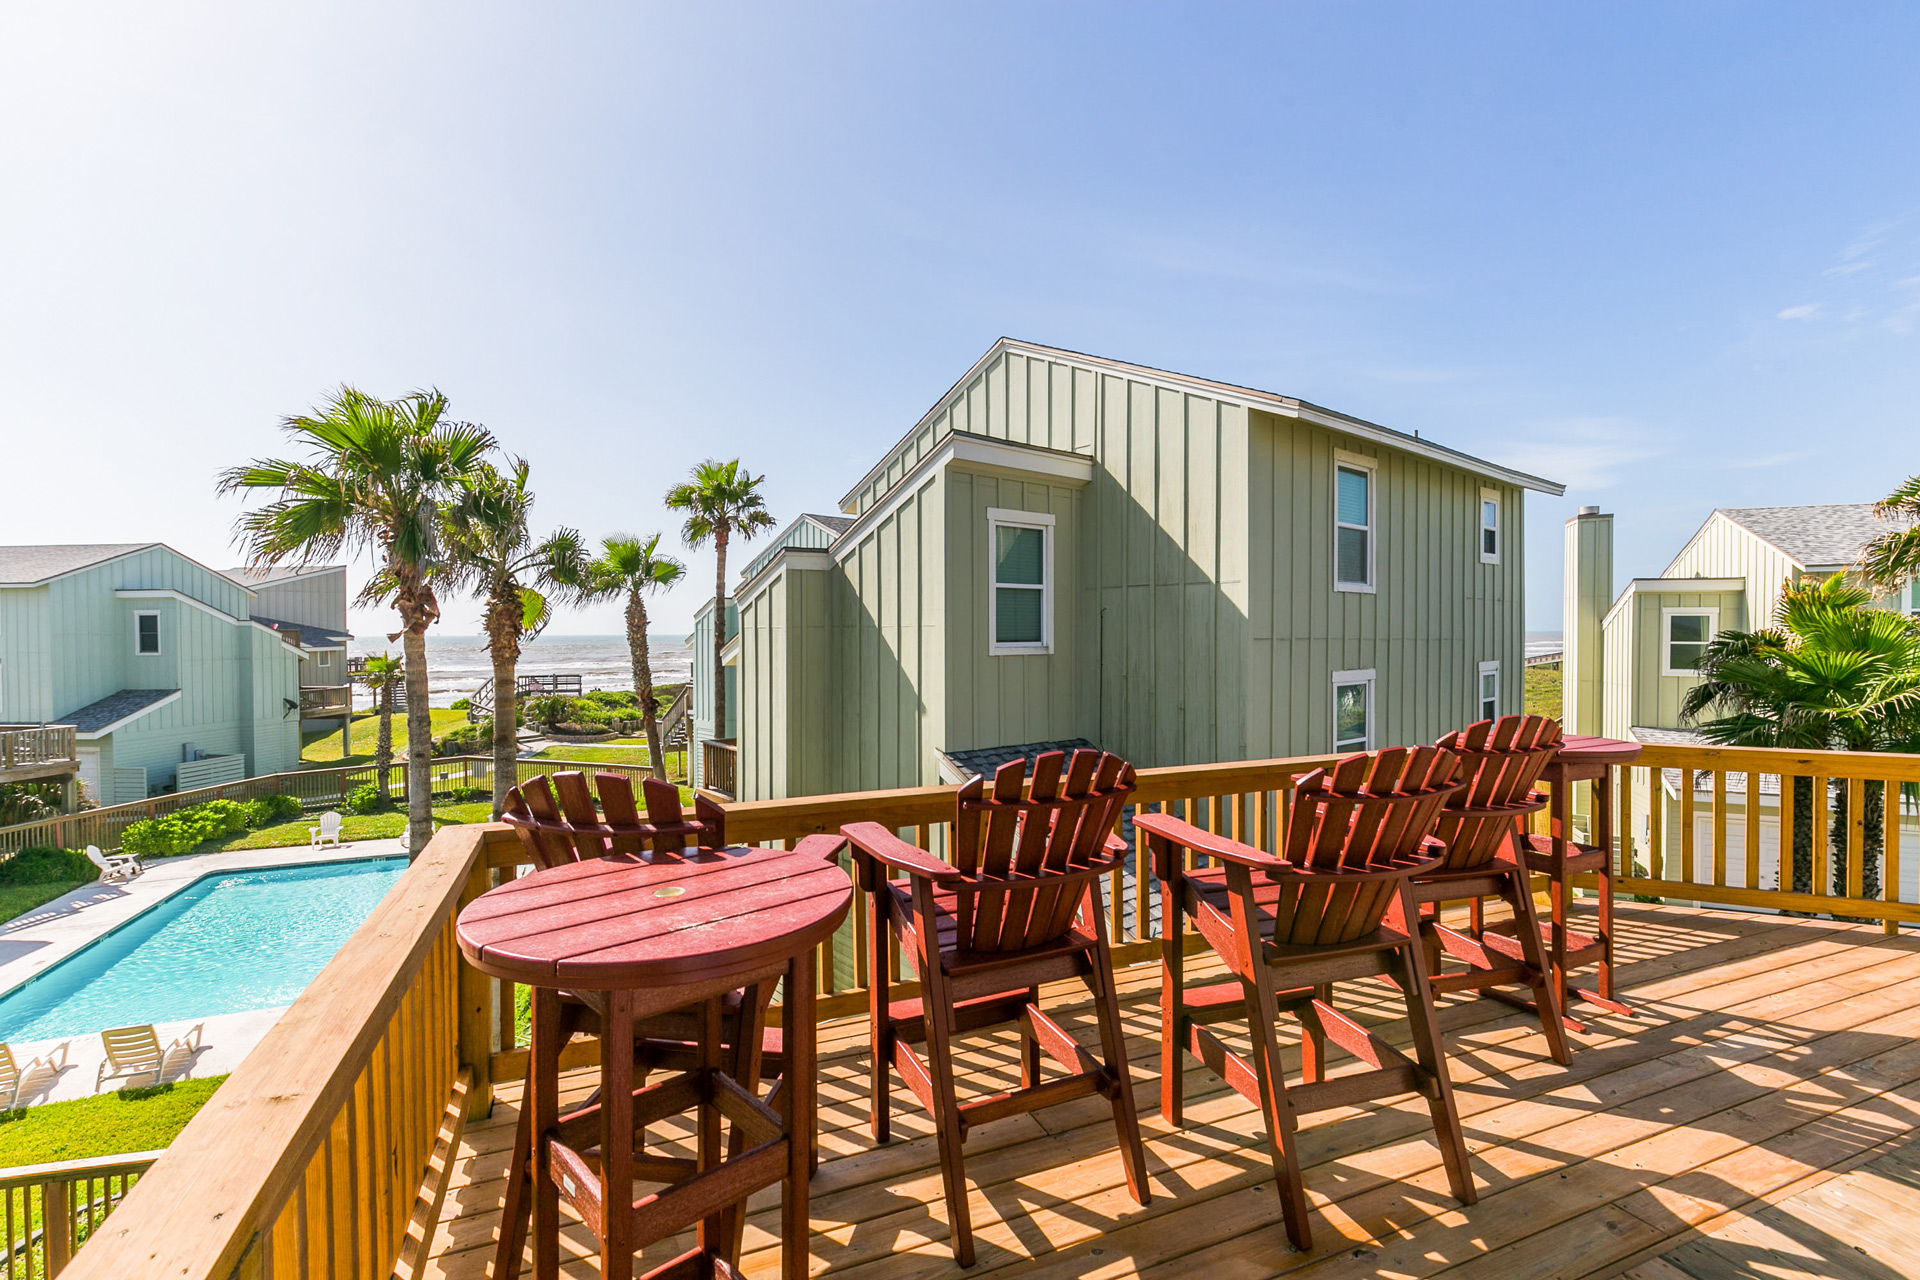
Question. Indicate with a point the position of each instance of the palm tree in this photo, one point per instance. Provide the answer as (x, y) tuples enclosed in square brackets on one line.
[(382, 673), (1892, 560), (376, 476), (492, 551), (1833, 674), (720, 501), (634, 567)]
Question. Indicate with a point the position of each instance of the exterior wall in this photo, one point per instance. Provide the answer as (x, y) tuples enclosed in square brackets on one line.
[(71, 642), (1722, 549), (995, 699), (314, 599), (887, 669), (1016, 397), (1637, 693), (802, 533), (786, 725), (1436, 613), (700, 645), (1589, 591)]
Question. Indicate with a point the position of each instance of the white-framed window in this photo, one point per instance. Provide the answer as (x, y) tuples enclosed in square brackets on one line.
[(1020, 594), (1907, 599), (1354, 482), (146, 632), (323, 659), (1489, 526), (1487, 687), (1353, 710), (1684, 636)]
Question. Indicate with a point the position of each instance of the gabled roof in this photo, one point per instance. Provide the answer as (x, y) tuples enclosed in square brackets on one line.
[(266, 574), (1820, 534), (984, 760), (1267, 401), (31, 566), (99, 718)]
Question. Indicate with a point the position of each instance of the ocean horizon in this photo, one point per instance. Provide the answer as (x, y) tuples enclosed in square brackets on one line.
[(459, 665)]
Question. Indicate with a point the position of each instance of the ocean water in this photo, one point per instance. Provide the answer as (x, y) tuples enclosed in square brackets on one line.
[(457, 665)]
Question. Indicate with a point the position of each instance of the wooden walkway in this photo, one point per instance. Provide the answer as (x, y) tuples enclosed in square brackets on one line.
[(1756, 1119)]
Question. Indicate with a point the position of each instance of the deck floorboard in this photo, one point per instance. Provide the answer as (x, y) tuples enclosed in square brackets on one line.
[(1755, 1114)]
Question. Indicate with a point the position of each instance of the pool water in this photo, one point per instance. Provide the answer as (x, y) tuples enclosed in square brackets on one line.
[(226, 943)]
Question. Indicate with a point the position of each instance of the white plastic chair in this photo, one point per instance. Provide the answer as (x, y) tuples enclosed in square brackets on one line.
[(13, 1078), (114, 866), (136, 1051), (328, 832)]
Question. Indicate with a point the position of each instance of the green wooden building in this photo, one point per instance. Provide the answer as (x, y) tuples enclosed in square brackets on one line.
[(1067, 548), (159, 662)]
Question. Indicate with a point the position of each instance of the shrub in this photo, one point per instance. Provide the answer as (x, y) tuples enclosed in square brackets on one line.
[(268, 810), (474, 739), (467, 795), (178, 832), (548, 708), (43, 865), (366, 798), (460, 704)]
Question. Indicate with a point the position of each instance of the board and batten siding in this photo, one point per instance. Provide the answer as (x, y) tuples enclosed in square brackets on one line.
[(314, 599), (886, 651), (1636, 690), (786, 726), (1724, 549), (1435, 614), (992, 699)]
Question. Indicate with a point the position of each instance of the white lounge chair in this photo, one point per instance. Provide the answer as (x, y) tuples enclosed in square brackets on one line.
[(136, 1051), (12, 1077), (328, 832), (114, 866)]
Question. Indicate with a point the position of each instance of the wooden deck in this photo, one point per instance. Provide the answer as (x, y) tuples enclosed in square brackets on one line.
[(1756, 1119)]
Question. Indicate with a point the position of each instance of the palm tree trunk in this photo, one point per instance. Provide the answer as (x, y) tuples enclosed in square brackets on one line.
[(1803, 835), (383, 742), (719, 630), (506, 743), (643, 682), (413, 642), (1872, 835)]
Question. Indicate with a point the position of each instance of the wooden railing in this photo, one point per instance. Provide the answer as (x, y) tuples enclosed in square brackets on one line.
[(1822, 832), (327, 1152), (322, 701), (42, 750), (720, 767), (48, 1210)]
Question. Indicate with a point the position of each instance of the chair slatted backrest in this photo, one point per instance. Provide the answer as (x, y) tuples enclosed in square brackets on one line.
[(1020, 849), (1500, 761), (558, 822), (130, 1047), (1352, 834)]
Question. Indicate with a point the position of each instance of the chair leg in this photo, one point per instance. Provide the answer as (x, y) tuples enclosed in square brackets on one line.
[(1173, 1017), (879, 1020), (946, 1118), (1433, 1060), (1262, 1010), (1313, 1041), (1030, 1048), (515, 1209), (1527, 932), (1113, 1051)]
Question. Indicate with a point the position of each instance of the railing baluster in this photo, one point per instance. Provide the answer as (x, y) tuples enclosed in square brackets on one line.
[(1856, 836), (1688, 873), (1822, 881), (1720, 827)]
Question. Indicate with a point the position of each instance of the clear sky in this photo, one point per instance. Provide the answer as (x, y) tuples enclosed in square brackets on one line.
[(1669, 255)]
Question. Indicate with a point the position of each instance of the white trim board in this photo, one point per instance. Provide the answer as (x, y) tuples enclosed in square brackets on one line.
[(95, 734), (167, 593)]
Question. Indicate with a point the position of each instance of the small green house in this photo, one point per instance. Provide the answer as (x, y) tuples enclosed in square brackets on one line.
[(158, 661), (1067, 548)]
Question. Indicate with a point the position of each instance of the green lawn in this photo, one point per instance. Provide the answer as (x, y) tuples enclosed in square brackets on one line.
[(18, 899), (323, 749), (630, 751), (112, 1123), (353, 826), (1543, 691)]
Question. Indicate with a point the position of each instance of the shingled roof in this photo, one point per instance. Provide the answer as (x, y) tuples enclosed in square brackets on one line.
[(1823, 534), (28, 566), (116, 709)]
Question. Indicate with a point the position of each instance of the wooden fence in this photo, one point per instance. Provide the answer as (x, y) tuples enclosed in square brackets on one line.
[(47, 1211)]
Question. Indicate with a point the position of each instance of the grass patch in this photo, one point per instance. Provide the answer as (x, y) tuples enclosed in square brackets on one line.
[(111, 1124), (353, 826), (323, 748), (18, 899), (1543, 692), (620, 751)]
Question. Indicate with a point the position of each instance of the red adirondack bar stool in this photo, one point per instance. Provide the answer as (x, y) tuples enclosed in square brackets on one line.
[(1336, 907), (1500, 761), (1019, 906), (557, 822)]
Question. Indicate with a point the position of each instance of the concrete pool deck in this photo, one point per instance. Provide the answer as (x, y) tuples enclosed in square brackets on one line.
[(35, 942)]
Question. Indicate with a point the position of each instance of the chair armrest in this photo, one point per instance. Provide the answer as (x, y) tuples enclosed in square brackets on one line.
[(1187, 836), (824, 846), (874, 841)]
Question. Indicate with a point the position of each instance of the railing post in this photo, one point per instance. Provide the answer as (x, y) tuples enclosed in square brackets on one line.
[(475, 994), (56, 1224)]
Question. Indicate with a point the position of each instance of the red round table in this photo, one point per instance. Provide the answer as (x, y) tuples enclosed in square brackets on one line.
[(1581, 758), (656, 933)]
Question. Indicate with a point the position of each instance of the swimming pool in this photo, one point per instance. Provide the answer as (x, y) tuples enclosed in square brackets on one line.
[(227, 943)]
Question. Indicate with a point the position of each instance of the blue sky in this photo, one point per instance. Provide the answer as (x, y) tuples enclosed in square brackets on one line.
[(1669, 255)]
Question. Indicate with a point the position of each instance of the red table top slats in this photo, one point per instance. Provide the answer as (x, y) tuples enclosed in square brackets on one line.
[(626, 922), (1578, 748)]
